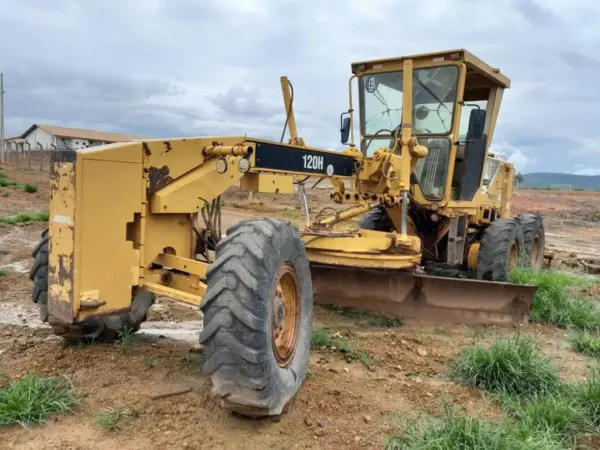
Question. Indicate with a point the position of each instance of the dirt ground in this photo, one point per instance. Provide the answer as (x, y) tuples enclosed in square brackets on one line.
[(342, 404)]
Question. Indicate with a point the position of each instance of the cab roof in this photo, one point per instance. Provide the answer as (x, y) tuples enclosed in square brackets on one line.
[(473, 64)]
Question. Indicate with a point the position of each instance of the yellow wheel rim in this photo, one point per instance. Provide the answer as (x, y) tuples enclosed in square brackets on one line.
[(285, 315)]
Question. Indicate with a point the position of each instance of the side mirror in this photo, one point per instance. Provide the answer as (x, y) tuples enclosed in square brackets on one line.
[(344, 128)]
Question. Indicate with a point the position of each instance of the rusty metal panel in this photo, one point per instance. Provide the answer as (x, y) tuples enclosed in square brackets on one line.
[(432, 298), (61, 280)]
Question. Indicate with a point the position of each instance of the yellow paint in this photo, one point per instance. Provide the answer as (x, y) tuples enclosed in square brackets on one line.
[(185, 297), (473, 255), (61, 279), (289, 111), (267, 183), (167, 231), (110, 196), (183, 264), (372, 261), (192, 190)]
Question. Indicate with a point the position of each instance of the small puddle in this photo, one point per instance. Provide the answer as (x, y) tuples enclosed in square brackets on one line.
[(180, 331), (19, 314), (18, 266), (27, 316)]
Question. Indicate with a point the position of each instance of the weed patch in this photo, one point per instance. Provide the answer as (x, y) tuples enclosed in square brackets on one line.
[(125, 340), (30, 188), (552, 302), (587, 344), (458, 430), (323, 339), (149, 362), (24, 218), (32, 399), (511, 366), (3, 273), (366, 318), (557, 415), (587, 396)]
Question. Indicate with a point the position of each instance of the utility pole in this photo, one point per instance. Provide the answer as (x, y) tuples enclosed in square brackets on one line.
[(2, 118)]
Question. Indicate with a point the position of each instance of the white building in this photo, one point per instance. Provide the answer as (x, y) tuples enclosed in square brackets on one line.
[(51, 137)]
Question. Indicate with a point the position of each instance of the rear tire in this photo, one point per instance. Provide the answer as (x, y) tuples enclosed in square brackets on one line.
[(534, 237), (376, 219), (500, 250), (251, 372), (104, 329)]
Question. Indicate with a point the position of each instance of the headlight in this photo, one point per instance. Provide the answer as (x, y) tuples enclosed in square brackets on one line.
[(244, 165), (221, 165)]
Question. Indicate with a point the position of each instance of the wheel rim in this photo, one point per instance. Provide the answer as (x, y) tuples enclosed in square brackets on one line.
[(535, 253), (513, 256), (285, 314)]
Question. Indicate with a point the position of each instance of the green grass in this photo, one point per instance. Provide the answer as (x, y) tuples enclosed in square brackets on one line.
[(3, 273), (32, 399), (366, 318), (587, 396), (552, 302), (23, 218), (322, 338), (529, 389), (586, 343), (291, 213), (149, 362), (457, 430), (112, 419), (510, 366), (556, 415), (125, 340), (30, 188)]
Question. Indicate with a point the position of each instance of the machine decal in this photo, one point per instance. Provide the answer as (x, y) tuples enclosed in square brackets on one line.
[(371, 84), (293, 159)]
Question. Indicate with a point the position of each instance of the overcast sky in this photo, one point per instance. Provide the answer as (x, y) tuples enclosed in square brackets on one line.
[(165, 68)]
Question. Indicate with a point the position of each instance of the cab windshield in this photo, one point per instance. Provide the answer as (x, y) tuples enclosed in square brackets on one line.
[(434, 96)]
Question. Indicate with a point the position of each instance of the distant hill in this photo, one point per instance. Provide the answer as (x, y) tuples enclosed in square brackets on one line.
[(546, 180)]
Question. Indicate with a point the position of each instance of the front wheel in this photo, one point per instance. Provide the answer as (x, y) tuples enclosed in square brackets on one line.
[(501, 250), (534, 238), (258, 317)]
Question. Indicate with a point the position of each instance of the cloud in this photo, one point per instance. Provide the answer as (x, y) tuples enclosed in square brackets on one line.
[(517, 156), (186, 67), (535, 13), (581, 170)]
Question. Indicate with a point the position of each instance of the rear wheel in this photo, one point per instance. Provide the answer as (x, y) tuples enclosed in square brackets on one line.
[(376, 219), (104, 329), (501, 250), (534, 238), (258, 317)]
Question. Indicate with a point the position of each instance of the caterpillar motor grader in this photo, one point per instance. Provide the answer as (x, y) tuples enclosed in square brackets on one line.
[(132, 220)]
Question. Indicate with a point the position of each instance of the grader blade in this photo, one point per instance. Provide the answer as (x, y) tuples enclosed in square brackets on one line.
[(427, 297)]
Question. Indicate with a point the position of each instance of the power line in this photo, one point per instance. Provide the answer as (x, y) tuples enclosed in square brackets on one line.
[(2, 149)]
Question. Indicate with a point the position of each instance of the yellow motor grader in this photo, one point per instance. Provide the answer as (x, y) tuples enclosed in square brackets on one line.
[(132, 220)]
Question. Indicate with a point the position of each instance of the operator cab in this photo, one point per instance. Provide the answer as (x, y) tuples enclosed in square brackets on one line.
[(455, 103)]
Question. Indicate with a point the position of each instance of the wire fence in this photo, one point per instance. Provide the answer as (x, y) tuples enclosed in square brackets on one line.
[(30, 159)]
